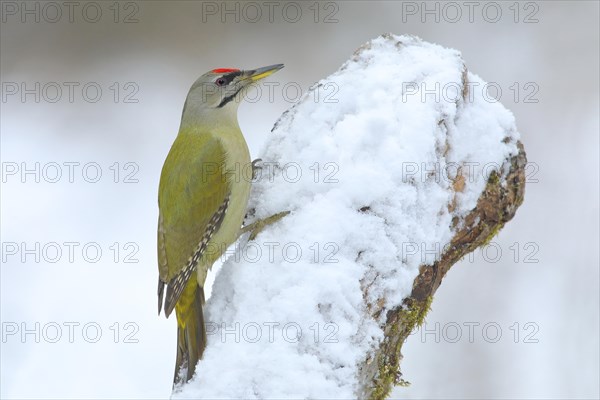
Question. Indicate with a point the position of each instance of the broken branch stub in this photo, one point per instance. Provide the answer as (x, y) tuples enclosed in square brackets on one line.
[(498, 203)]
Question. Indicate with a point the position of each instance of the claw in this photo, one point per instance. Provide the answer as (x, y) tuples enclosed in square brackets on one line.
[(256, 168)]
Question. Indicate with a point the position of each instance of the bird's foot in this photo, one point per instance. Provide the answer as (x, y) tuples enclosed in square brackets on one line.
[(256, 168), (258, 226)]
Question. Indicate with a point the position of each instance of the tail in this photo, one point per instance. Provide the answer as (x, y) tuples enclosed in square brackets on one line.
[(191, 333)]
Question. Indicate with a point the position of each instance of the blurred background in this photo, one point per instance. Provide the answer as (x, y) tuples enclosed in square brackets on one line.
[(92, 95)]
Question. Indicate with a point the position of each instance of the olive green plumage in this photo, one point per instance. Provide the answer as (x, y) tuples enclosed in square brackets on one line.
[(203, 194), (189, 194)]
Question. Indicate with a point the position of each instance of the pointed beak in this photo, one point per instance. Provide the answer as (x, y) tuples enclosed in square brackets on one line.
[(257, 74)]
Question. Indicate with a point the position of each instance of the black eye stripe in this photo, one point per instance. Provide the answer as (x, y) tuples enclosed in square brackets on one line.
[(230, 77), (228, 98)]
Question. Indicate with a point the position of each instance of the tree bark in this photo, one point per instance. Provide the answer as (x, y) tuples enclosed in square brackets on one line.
[(496, 206)]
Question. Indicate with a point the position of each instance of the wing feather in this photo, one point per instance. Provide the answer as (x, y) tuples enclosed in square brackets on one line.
[(178, 283), (193, 199)]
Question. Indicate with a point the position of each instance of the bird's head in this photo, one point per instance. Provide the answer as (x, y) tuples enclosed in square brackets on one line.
[(221, 90)]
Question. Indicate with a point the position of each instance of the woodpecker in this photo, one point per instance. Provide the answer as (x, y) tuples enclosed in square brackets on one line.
[(202, 199)]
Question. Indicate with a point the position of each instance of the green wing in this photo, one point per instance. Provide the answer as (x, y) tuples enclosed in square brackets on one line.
[(193, 198)]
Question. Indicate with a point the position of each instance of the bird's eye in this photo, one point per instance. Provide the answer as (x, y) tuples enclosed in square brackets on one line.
[(220, 82)]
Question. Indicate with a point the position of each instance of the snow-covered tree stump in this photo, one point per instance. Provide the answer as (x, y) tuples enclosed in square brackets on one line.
[(393, 168)]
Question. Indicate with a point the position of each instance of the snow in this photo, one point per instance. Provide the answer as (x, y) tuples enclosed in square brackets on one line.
[(288, 313)]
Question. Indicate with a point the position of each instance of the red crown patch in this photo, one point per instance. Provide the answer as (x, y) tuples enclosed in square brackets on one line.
[(224, 70)]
